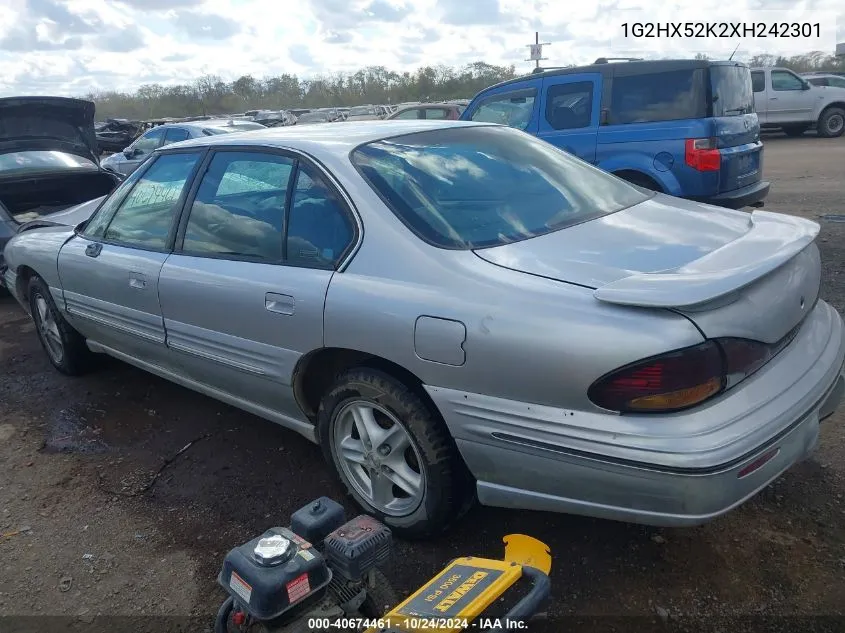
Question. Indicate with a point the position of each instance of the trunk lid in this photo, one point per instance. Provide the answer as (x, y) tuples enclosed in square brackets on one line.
[(48, 124), (690, 257)]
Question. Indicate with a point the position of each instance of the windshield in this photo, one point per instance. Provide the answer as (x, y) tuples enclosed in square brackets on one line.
[(40, 161), (361, 110), (731, 87), (473, 187)]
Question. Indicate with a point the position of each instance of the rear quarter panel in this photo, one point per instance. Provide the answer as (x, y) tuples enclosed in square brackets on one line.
[(657, 149), (525, 338)]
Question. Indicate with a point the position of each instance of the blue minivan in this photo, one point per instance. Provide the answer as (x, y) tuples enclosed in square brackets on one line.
[(682, 127)]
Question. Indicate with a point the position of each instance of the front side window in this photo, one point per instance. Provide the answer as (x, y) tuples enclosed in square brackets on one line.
[(146, 215), (465, 188), (658, 96), (319, 228), (784, 80), (511, 109), (408, 114), (239, 209), (95, 228), (175, 134), (149, 141), (570, 105)]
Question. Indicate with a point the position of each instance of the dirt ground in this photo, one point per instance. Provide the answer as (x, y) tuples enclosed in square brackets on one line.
[(89, 530)]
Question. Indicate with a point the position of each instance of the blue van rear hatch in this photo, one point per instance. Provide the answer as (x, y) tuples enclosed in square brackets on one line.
[(736, 128)]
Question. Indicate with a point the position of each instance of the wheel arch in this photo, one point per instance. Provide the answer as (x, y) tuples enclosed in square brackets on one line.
[(639, 178), (317, 370)]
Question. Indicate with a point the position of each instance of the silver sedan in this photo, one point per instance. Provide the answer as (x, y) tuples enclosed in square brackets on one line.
[(456, 311)]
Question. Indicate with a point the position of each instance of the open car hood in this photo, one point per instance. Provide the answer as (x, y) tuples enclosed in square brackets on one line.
[(57, 124)]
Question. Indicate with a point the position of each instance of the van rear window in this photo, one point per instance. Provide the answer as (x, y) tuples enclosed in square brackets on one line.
[(731, 90), (659, 96)]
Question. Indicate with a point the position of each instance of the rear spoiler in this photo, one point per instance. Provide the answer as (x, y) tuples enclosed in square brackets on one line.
[(771, 241)]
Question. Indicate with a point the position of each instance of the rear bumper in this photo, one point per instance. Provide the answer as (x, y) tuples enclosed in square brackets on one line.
[(738, 198), (532, 457)]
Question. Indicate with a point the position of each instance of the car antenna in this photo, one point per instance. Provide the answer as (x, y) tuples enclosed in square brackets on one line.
[(734, 53)]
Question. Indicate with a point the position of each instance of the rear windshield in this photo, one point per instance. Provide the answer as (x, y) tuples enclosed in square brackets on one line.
[(27, 162), (731, 90), (474, 187)]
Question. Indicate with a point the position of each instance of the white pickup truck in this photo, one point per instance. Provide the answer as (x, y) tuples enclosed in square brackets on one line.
[(785, 100)]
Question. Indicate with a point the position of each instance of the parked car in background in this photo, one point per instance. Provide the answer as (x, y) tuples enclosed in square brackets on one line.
[(113, 135), (332, 114), (836, 81), (313, 117), (127, 161), (449, 111), (274, 118), (297, 112), (783, 99), (49, 160), (666, 359), (363, 113), (682, 127)]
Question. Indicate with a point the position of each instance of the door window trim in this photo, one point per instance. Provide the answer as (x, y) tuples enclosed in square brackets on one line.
[(179, 204), (298, 157)]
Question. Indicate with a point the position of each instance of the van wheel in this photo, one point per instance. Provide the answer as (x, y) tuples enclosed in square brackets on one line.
[(641, 180), (832, 123), (794, 130), (392, 452)]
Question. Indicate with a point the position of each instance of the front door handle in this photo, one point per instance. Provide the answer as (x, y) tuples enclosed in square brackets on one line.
[(93, 249), (279, 303)]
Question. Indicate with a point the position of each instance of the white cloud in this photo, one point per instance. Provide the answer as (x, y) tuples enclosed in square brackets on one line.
[(75, 46)]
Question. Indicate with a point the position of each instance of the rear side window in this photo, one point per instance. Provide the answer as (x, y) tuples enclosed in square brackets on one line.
[(239, 209), (663, 96), (175, 134), (758, 81), (513, 109), (569, 105)]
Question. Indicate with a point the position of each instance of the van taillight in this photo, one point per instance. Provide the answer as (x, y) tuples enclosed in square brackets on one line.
[(681, 379), (701, 154)]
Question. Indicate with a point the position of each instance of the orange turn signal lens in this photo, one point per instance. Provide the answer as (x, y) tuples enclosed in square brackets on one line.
[(680, 399)]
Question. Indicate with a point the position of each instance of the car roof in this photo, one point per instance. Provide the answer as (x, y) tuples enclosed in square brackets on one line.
[(337, 140), (618, 68)]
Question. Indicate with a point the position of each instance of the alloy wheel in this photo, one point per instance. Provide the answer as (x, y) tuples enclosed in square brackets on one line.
[(378, 458), (48, 329)]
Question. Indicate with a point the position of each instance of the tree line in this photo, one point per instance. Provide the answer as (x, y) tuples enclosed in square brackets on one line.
[(210, 94)]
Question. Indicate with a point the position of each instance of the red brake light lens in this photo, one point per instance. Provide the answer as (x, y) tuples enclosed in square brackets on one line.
[(683, 378), (701, 154), (669, 382)]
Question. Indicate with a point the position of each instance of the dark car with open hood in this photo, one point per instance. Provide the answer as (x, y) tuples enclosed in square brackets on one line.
[(48, 161)]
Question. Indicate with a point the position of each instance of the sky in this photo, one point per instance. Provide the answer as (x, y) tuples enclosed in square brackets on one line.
[(73, 47)]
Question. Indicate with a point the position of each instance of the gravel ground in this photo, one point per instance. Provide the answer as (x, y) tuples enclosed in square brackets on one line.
[(89, 529)]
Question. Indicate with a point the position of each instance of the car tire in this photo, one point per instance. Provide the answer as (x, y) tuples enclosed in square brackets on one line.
[(64, 346), (832, 123), (794, 130), (423, 455)]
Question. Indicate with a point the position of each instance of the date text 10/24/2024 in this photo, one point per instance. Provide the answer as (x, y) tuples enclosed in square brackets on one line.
[(415, 624)]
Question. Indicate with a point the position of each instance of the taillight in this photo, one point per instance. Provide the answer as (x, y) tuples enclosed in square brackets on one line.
[(702, 154), (681, 379)]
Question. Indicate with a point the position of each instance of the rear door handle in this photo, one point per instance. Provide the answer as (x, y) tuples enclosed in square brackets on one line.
[(93, 249), (279, 303), (137, 280)]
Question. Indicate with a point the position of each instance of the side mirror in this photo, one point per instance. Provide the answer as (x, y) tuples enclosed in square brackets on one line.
[(80, 227), (807, 86)]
